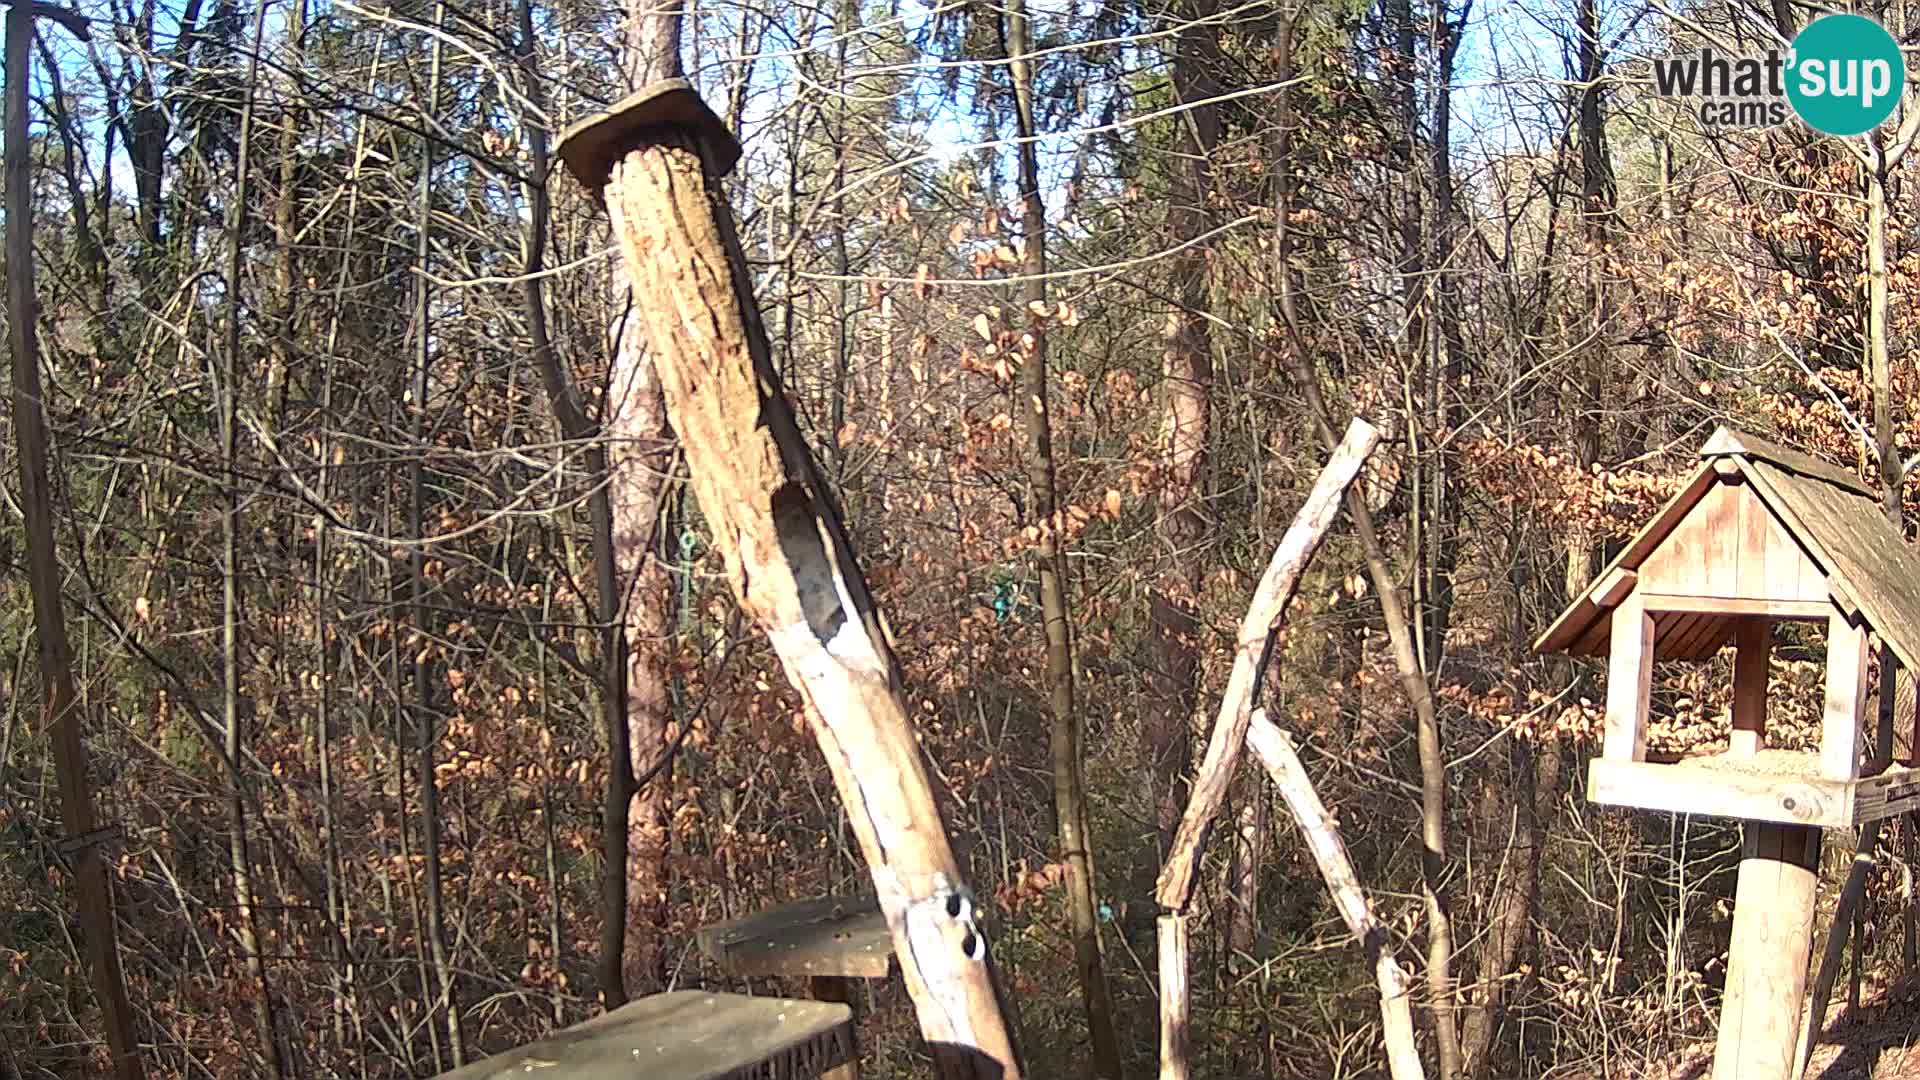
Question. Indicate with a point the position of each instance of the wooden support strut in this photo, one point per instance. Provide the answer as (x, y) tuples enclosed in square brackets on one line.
[(787, 555), (1270, 598)]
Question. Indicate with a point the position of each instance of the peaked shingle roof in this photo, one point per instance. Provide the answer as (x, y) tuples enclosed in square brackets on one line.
[(1836, 518)]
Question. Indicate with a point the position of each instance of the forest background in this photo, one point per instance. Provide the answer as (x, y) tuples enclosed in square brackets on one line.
[(416, 708)]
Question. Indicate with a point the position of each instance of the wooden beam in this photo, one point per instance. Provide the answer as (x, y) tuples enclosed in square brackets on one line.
[(828, 936), (1276, 752), (1613, 588), (1629, 678), (1891, 794), (1767, 960), (1720, 792), (1803, 610), (1732, 787), (1846, 694), (1175, 1040), (1754, 645)]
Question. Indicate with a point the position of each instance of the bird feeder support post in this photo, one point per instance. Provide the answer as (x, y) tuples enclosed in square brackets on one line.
[(1767, 958)]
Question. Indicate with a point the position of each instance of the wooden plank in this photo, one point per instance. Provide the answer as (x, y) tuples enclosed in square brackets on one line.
[(1658, 573), (1715, 792), (1629, 677), (1803, 610), (1753, 638), (1672, 630), (1788, 565), (686, 1035), (1175, 1035), (842, 936), (1718, 522), (1613, 587), (1755, 540), (1594, 641), (1846, 693), (1704, 640), (1767, 959), (1892, 793)]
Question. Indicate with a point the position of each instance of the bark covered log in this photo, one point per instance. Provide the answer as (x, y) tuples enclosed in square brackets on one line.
[(791, 566)]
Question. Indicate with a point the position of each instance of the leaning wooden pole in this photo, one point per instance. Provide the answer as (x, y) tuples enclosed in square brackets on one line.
[(63, 713), (1276, 752), (658, 157), (1224, 746)]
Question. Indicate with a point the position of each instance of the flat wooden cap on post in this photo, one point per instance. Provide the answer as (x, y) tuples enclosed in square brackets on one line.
[(590, 147)]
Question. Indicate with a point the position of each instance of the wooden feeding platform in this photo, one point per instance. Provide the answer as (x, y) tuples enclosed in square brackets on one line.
[(829, 937), (1768, 785), (1758, 535), (831, 940), (686, 1035)]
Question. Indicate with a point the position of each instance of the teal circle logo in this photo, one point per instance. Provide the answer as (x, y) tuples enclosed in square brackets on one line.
[(1845, 74)]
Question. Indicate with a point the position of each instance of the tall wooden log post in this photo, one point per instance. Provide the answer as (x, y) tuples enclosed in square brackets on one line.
[(63, 713), (658, 157)]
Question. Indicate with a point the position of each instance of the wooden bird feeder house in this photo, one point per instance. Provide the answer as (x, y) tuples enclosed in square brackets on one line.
[(1758, 535)]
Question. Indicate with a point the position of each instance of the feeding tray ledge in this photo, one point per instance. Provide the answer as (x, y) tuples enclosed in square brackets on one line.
[(834, 936), (685, 1035), (1782, 786)]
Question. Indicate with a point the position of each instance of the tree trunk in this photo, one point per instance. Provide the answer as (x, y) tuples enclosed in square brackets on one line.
[(1069, 791), (446, 1002), (1533, 776), (1189, 384), (639, 467), (1892, 476), (1243, 876), (632, 589), (246, 922), (62, 715)]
